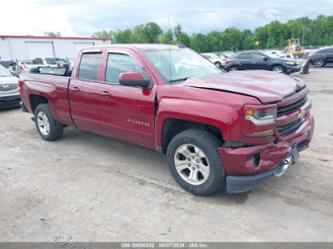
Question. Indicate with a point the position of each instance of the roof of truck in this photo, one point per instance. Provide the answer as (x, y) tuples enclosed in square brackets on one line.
[(137, 46)]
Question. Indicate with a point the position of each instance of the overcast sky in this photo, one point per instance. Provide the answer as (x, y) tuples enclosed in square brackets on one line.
[(84, 17)]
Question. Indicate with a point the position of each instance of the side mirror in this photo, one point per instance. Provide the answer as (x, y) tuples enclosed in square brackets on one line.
[(134, 79)]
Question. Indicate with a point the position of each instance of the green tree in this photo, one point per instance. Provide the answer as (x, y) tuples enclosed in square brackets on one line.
[(103, 34), (152, 32), (181, 37), (139, 34), (52, 34), (167, 37), (318, 31), (199, 42), (123, 36)]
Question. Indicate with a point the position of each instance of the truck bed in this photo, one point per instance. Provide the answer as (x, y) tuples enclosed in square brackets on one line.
[(54, 88)]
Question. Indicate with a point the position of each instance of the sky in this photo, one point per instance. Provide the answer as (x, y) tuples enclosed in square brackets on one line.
[(84, 17)]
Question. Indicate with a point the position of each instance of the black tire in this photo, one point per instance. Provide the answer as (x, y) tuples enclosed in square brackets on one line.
[(208, 144), (233, 68), (278, 69), (319, 63), (55, 129), (218, 64)]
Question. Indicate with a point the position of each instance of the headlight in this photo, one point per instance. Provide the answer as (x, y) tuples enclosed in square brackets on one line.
[(291, 63), (260, 116)]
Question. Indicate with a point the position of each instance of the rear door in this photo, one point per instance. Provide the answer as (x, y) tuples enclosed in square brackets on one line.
[(246, 61), (260, 61), (127, 113), (329, 55), (85, 93)]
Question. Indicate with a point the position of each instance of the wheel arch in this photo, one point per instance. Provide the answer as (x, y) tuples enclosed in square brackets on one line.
[(35, 100), (278, 64), (173, 126)]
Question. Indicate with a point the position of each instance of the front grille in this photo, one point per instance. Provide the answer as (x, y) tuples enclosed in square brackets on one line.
[(7, 87), (293, 126), (291, 107)]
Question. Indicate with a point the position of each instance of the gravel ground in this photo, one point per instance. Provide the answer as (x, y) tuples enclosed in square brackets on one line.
[(88, 188)]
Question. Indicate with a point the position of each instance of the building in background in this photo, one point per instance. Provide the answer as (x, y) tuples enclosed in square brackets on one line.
[(13, 47)]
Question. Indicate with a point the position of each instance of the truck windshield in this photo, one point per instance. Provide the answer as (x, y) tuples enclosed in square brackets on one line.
[(4, 72), (177, 65)]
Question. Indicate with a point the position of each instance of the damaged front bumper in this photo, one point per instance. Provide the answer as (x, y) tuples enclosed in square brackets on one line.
[(247, 166)]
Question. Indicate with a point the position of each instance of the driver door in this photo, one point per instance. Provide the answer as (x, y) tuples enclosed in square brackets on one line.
[(260, 61), (127, 113)]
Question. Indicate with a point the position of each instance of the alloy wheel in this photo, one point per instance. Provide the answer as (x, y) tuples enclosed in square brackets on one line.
[(192, 164), (43, 123)]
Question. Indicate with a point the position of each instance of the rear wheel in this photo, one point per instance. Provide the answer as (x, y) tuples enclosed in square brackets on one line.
[(48, 128), (218, 64), (278, 69), (319, 63), (194, 162)]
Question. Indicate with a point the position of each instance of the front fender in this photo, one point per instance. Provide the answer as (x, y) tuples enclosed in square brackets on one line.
[(223, 117)]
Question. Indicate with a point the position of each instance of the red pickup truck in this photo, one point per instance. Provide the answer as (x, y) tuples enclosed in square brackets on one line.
[(218, 130)]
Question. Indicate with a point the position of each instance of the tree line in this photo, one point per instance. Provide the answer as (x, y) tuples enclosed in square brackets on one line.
[(311, 32)]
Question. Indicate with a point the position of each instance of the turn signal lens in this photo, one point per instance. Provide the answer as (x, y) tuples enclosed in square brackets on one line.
[(249, 112)]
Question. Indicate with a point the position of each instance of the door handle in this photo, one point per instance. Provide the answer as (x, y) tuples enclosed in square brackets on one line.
[(106, 93), (76, 89)]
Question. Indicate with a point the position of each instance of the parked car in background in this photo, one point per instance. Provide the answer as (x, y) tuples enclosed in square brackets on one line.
[(9, 93), (63, 63), (23, 66), (218, 130), (213, 58), (49, 62), (224, 56), (277, 54), (321, 57), (9, 64), (261, 61)]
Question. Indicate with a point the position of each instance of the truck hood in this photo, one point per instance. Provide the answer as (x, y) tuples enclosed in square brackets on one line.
[(266, 86)]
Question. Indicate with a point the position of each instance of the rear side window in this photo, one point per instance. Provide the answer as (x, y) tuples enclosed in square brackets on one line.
[(120, 63), (89, 66), (37, 61), (50, 61), (245, 56), (325, 51)]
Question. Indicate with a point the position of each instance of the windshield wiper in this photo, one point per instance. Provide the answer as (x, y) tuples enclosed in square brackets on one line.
[(181, 79)]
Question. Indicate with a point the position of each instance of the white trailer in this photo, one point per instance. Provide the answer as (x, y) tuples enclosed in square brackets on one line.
[(29, 47)]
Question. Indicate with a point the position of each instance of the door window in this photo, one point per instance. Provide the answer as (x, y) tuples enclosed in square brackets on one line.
[(89, 66), (120, 63), (259, 58), (245, 56), (37, 61)]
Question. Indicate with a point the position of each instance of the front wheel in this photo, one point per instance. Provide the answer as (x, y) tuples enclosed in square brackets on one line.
[(194, 162), (278, 69), (48, 128), (318, 63)]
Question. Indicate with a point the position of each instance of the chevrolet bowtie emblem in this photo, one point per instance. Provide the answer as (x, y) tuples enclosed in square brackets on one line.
[(301, 114), (4, 87)]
